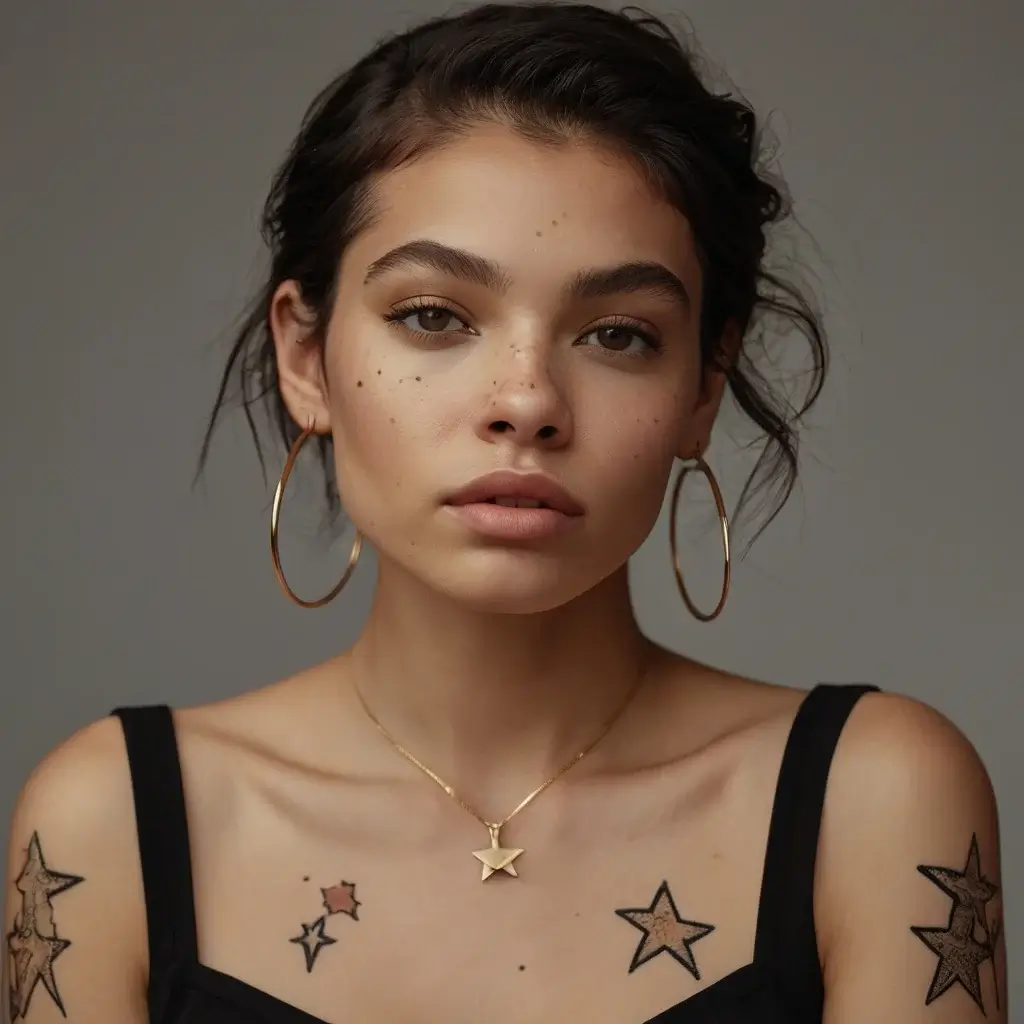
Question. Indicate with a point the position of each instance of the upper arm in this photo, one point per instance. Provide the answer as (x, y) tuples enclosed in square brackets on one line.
[(74, 918), (910, 889)]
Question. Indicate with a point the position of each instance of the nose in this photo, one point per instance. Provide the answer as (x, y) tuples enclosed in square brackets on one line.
[(525, 406)]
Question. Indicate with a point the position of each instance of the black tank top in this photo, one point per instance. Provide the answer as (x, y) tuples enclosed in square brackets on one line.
[(782, 985)]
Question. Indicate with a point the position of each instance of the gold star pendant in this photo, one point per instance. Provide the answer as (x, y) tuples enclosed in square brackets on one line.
[(496, 857)]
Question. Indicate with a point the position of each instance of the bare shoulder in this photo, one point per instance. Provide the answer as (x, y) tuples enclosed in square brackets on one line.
[(80, 790), (909, 882), (74, 917), (915, 750)]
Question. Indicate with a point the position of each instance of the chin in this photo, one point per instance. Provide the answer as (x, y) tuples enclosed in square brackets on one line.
[(511, 582)]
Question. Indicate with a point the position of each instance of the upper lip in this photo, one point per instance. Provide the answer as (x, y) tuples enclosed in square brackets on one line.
[(508, 484)]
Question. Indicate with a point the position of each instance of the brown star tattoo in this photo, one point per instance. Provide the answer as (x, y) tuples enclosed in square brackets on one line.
[(337, 899), (33, 943), (665, 932), (968, 940)]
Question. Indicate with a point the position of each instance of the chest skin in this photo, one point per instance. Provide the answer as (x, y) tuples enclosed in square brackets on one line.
[(357, 901)]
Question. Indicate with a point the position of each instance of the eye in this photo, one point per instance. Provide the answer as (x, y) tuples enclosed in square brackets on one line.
[(432, 318), (621, 338)]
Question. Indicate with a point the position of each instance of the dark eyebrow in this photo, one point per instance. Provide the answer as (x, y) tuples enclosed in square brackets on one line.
[(592, 283)]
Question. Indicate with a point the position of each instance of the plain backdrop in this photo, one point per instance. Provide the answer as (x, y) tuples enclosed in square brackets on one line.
[(137, 144)]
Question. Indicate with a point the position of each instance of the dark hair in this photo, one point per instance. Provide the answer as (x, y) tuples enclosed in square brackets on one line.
[(552, 72)]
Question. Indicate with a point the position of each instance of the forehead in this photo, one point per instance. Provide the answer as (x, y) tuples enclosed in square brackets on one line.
[(545, 209)]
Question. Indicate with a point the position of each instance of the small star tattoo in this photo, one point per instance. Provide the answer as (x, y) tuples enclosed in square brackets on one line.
[(341, 899), (312, 940), (665, 932), (337, 899)]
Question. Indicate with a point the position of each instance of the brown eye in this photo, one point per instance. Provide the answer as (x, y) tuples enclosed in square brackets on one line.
[(615, 338), (621, 339), (424, 319), (433, 318)]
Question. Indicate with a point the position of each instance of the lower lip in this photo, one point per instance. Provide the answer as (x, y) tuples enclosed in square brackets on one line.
[(502, 522)]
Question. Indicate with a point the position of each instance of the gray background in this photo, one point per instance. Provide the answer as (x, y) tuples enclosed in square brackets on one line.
[(138, 141)]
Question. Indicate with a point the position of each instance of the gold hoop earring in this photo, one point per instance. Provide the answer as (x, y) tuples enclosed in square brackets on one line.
[(723, 519), (275, 516)]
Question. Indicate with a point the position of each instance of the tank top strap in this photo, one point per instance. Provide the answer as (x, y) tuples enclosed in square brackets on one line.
[(162, 826), (786, 943)]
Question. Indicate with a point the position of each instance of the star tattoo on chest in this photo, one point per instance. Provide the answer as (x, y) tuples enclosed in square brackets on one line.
[(665, 931), (33, 943), (968, 939), (336, 899)]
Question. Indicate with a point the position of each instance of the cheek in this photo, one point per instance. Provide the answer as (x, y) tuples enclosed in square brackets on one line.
[(643, 435), (634, 449), (387, 419)]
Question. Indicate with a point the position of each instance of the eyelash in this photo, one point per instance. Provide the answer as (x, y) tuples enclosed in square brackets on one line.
[(396, 316)]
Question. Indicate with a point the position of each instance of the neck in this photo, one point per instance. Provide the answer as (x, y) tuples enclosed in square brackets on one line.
[(496, 701)]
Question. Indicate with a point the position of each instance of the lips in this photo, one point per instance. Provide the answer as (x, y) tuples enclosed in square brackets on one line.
[(519, 490)]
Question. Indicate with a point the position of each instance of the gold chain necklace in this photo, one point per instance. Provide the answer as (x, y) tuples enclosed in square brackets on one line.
[(496, 857)]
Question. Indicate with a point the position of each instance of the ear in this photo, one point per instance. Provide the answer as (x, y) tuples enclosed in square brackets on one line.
[(712, 388), (299, 358)]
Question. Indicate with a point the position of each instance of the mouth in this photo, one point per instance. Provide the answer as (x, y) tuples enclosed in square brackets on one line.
[(508, 507), (515, 502), (518, 490)]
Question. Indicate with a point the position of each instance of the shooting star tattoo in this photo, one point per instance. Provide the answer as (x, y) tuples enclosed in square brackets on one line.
[(337, 899), (33, 943), (969, 939), (665, 931)]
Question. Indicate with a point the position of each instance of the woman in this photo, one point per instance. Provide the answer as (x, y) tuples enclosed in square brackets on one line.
[(517, 258)]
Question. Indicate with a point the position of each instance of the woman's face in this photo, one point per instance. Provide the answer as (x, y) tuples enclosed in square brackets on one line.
[(499, 341)]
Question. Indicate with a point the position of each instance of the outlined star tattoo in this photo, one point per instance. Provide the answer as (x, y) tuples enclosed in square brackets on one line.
[(968, 887), (665, 932), (960, 953), (312, 940), (337, 899), (33, 944)]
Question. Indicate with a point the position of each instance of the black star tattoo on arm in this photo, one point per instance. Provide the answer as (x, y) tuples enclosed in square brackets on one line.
[(968, 940), (33, 943), (665, 931), (337, 899)]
